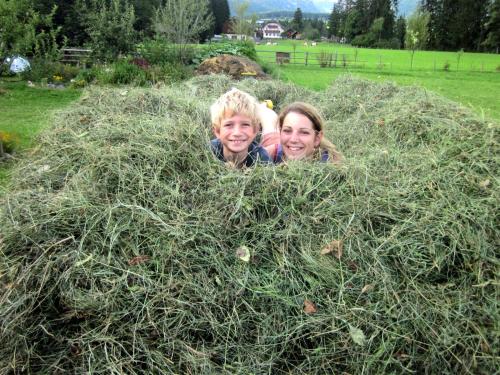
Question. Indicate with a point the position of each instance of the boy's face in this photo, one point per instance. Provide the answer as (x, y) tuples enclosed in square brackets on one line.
[(236, 133)]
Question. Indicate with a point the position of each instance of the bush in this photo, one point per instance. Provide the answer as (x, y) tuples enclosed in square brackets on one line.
[(124, 241), (243, 48), (50, 71), (8, 143), (364, 40), (393, 43), (160, 52), (88, 75), (175, 72), (324, 58), (123, 73)]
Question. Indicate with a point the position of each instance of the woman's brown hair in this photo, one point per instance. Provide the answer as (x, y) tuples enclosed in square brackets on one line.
[(319, 125)]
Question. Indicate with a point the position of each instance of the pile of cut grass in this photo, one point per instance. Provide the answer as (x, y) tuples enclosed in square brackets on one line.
[(125, 247)]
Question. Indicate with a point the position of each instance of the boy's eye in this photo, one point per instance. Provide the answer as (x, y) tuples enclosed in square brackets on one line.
[(227, 125), (245, 125)]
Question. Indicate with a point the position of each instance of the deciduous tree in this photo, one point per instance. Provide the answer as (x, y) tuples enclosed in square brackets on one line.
[(110, 27), (417, 32), (182, 21), (493, 27)]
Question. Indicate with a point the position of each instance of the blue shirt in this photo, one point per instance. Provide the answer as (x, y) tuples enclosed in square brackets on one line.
[(256, 153)]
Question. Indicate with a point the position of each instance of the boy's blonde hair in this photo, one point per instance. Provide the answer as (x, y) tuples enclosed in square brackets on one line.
[(232, 103)]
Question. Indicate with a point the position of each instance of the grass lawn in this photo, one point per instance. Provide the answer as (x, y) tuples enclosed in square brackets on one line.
[(476, 84), (480, 91), (24, 111)]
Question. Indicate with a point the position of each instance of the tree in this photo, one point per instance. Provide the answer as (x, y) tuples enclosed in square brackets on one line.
[(298, 20), (310, 33), (335, 21), (417, 32), (24, 30), (240, 24), (435, 24), (110, 26), (144, 14), (182, 21), (401, 31), (493, 27), (220, 9)]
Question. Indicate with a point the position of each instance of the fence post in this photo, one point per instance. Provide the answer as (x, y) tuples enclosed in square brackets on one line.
[(335, 61), (307, 56)]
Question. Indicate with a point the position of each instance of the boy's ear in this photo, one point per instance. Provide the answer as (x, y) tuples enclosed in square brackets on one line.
[(216, 131)]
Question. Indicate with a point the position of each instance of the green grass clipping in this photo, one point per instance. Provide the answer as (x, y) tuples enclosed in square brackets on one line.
[(125, 247)]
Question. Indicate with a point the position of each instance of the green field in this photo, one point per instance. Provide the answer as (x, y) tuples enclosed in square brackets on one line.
[(24, 110), (475, 84)]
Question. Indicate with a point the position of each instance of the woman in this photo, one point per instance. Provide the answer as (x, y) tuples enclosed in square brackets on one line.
[(297, 134)]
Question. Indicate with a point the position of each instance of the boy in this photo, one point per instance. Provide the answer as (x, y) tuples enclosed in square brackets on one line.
[(235, 123)]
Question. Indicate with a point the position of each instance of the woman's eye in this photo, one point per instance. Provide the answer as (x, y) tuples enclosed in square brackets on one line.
[(304, 132), (287, 131)]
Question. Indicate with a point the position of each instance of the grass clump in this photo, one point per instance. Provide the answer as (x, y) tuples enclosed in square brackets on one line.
[(127, 248)]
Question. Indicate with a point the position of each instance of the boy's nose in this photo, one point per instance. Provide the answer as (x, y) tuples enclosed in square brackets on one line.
[(237, 130)]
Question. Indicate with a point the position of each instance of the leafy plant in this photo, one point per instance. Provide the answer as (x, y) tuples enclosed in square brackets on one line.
[(125, 73), (238, 49), (110, 26), (50, 71), (324, 58), (160, 51), (7, 143)]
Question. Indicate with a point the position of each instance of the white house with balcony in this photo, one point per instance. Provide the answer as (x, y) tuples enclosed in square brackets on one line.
[(272, 30)]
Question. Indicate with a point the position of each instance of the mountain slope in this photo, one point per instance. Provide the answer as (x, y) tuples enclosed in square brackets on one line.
[(262, 6)]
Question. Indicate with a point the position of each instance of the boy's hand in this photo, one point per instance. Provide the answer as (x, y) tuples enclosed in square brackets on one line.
[(268, 119)]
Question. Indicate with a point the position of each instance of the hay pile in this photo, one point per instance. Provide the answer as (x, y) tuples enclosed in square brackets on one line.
[(126, 248)]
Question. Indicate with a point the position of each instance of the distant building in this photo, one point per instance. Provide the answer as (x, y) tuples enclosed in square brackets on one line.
[(272, 30)]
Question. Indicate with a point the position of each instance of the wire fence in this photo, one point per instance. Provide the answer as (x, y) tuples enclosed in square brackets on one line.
[(344, 60)]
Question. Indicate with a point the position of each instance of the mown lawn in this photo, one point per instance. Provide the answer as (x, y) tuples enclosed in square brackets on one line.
[(476, 84), (24, 111)]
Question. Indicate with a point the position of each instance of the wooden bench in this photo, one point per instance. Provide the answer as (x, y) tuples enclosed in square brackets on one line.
[(77, 56)]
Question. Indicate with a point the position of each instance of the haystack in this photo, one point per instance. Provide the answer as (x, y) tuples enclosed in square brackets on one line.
[(237, 67), (127, 248)]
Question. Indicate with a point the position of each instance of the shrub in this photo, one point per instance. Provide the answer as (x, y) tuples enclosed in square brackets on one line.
[(392, 43), (324, 58), (123, 73), (8, 143), (50, 71), (160, 51), (88, 75), (364, 40), (175, 72), (243, 48)]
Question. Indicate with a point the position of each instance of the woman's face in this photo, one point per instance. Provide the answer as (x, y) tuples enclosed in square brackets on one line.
[(298, 137)]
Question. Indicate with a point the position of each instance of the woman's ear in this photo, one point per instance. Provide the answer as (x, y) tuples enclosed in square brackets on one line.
[(318, 138)]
